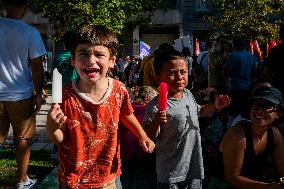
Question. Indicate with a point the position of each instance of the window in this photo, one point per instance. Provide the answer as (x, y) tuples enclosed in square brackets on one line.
[(202, 5)]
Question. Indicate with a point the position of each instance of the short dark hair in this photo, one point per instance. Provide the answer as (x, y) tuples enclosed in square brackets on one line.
[(209, 44), (15, 2), (164, 57), (238, 43), (185, 51), (221, 37), (96, 35), (163, 47)]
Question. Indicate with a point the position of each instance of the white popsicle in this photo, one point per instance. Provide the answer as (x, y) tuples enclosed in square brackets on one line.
[(56, 86)]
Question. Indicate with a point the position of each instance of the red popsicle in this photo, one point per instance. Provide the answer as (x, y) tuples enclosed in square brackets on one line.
[(162, 99)]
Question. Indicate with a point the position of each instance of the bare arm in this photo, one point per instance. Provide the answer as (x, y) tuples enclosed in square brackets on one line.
[(153, 129), (207, 110), (38, 81), (221, 101), (134, 126), (37, 74), (278, 151), (233, 147), (55, 124)]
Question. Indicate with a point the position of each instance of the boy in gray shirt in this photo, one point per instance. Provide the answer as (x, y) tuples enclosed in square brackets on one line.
[(179, 163)]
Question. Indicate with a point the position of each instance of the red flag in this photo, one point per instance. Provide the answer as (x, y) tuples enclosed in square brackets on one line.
[(257, 50), (251, 45), (197, 50), (271, 44)]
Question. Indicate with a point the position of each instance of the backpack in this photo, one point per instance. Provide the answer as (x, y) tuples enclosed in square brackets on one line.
[(198, 72)]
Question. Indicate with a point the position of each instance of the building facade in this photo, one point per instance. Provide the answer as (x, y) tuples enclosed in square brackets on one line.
[(176, 19)]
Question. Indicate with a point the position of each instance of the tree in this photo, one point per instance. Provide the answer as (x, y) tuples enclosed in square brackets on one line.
[(257, 18), (114, 14)]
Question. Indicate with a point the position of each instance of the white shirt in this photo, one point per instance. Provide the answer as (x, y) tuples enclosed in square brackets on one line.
[(20, 42)]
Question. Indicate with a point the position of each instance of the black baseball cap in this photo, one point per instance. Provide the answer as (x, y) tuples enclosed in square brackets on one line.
[(269, 94)]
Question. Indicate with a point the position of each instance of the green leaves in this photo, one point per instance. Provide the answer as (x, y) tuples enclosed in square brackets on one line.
[(114, 14), (257, 18)]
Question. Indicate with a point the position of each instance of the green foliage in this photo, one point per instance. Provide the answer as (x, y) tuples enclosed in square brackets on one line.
[(114, 14), (38, 158), (256, 18), (40, 161)]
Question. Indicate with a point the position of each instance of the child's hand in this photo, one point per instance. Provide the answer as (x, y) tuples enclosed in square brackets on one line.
[(161, 116), (222, 101), (147, 144), (55, 118)]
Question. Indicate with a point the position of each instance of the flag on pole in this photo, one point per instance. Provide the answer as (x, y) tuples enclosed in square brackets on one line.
[(257, 50), (270, 45), (144, 50), (251, 45), (197, 50)]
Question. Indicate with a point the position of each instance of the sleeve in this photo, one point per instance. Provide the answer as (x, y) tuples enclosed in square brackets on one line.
[(151, 111), (126, 107), (36, 46)]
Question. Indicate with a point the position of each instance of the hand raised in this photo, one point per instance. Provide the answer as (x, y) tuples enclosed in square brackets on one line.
[(222, 101), (55, 118), (161, 116)]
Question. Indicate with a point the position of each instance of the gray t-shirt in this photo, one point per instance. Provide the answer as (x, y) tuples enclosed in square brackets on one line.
[(178, 148)]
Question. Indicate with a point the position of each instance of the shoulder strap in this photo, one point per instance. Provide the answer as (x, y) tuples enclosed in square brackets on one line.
[(270, 144), (249, 141)]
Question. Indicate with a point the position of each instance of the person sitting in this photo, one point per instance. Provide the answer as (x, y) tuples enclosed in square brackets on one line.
[(246, 147)]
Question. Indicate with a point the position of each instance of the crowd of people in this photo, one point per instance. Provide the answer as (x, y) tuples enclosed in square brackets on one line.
[(222, 126)]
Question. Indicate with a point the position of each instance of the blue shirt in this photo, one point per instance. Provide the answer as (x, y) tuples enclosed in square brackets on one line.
[(241, 66)]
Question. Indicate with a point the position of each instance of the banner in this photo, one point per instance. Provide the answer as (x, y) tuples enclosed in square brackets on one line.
[(182, 42), (144, 50), (178, 44)]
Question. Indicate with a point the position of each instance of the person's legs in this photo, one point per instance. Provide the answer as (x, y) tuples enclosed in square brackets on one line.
[(4, 122), (24, 125), (187, 184), (22, 158)]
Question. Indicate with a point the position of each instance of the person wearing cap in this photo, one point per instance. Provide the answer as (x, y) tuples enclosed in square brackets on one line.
[(245, 147), (22, 78)]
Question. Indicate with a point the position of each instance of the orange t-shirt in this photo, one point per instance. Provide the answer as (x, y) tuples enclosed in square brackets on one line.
[(89, 155)]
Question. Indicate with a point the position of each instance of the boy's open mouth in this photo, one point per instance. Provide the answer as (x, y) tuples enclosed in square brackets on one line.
[(91, 71)]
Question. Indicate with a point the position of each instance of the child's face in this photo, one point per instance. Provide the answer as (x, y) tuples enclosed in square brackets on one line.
[(175, 74), (92, 62)]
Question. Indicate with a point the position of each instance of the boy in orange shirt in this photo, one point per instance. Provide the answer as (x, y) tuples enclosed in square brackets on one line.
[(85, 125)]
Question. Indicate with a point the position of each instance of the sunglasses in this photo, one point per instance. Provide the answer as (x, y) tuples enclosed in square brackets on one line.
[(264, 107)]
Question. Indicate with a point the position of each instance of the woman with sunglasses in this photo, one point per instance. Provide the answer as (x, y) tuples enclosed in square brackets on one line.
[(245, 147)]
